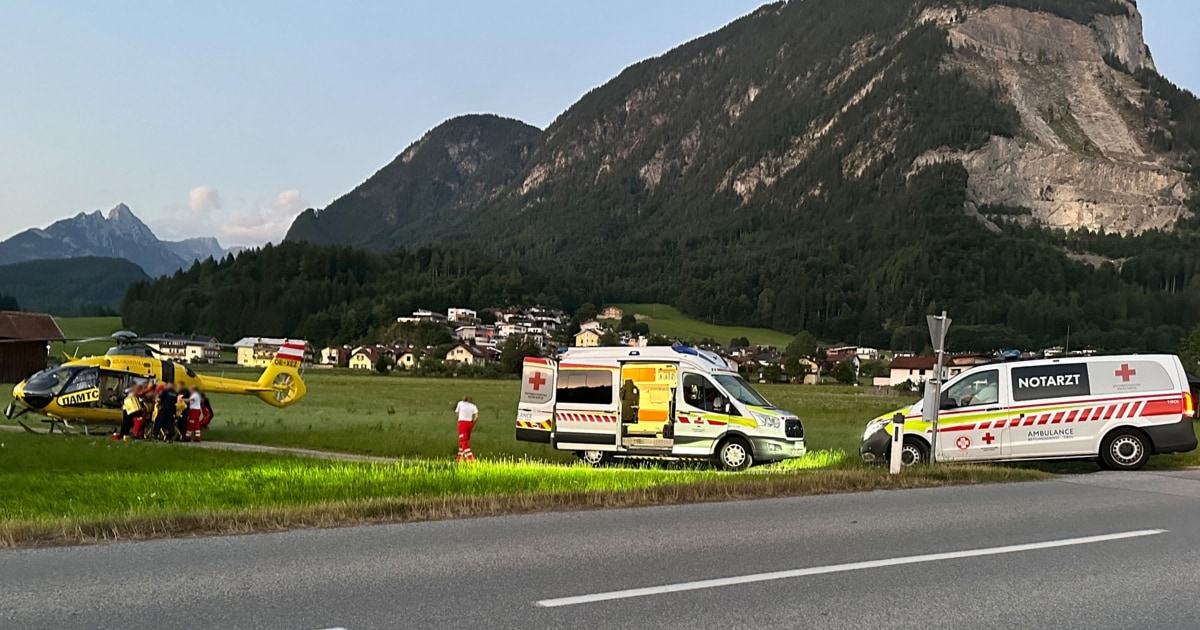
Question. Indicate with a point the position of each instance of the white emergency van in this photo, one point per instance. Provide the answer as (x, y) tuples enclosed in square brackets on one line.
[(667, 403), (1119, 410)]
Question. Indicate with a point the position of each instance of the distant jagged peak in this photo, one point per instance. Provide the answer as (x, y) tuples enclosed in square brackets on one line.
[(121, 213)]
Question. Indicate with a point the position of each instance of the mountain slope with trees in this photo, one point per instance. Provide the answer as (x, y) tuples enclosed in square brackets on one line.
[(441, 177), (70, 287), (839, 166)]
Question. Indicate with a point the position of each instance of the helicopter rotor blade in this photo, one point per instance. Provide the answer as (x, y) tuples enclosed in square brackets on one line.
[(84, 340)]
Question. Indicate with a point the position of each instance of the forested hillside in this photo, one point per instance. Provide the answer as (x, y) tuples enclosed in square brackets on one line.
[(322, 294), (442, 175), (845, 167), (70, 287)]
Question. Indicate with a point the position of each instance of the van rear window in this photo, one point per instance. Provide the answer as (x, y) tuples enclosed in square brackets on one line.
[(1063, 380), (585, 387)]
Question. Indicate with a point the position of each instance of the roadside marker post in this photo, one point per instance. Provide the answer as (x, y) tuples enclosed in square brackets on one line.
[(938, 324), (897, 443)]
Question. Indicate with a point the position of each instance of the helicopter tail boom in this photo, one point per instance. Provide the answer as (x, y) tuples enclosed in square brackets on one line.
[(280, 384)]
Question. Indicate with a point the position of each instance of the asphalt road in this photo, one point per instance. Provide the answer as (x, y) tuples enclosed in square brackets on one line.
[(1098, 551)]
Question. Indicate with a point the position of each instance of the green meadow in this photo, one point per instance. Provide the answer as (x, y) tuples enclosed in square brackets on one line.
[(56, 489), (397, 416), (667, 320)]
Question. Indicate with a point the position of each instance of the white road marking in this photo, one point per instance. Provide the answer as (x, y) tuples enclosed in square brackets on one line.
[(840, 568)]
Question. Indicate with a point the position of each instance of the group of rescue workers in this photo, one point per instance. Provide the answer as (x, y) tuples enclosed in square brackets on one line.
[(170, 413)]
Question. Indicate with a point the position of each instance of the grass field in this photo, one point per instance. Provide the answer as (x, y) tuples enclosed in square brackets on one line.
[(413, 417), (82, 328), (75, 489), (64, 489), (667, 320)]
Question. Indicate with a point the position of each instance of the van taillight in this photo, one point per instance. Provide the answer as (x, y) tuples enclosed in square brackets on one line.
[(1189, 405)]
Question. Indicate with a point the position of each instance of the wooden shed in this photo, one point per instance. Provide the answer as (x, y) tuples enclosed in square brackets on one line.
[(23, 339)]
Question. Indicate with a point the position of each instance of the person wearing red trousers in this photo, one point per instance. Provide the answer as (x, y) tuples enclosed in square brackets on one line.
[(195, 405), (468, 414)]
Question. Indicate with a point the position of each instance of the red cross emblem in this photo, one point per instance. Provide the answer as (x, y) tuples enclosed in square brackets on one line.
[(1125, 372), (963, 443), (537, 380), (989, 438)]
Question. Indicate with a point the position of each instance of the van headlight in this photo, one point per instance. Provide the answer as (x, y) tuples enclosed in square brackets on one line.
[(875, 426), (767, 421)]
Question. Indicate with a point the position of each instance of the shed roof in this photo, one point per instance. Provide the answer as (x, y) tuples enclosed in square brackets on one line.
[(29, 327), (916, 363)]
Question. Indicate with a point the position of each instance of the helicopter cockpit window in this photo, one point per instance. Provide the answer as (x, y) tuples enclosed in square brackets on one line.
[(50, 381), (84, 379)]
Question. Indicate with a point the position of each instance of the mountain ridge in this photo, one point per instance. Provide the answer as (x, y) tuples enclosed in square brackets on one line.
[(119, 233), (846, 166), (465, 158)]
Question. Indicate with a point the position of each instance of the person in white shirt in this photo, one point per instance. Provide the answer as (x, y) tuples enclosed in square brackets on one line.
[(195, 403), (467, 414)]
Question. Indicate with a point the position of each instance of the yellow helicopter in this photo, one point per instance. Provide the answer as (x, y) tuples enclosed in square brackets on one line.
[(91, 390)]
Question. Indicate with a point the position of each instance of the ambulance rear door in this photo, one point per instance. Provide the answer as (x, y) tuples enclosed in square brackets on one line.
[(535, 412), (585, 407)]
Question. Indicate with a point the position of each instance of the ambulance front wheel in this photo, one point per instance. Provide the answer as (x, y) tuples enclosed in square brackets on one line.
[(735, 454), (594, 458), (1125, 449), (915, 452)]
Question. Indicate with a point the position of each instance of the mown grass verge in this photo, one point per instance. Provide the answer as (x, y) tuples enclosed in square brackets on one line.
[(101, 491)]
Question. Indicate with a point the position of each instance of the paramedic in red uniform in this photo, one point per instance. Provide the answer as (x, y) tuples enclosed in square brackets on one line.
[(195, 410), (468, 413)]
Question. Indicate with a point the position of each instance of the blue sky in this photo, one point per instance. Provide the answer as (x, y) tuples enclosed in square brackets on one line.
[(228, 117)]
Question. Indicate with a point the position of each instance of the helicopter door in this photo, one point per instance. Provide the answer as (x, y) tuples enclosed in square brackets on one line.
[(168, 372), (112, 389)]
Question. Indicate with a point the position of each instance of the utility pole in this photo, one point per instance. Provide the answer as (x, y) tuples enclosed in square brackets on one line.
[(938, 324)]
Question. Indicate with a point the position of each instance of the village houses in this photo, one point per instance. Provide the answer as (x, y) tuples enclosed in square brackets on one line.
[(186, 348), (257, 352), (467, 354)]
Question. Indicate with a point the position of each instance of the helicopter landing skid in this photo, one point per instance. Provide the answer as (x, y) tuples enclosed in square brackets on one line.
[(64, 427)]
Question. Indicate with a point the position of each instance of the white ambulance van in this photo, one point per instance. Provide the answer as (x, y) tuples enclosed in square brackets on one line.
[(1119, 410), (664, 403)]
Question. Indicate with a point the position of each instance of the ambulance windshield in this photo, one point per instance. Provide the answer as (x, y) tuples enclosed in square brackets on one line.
[(741, 391)]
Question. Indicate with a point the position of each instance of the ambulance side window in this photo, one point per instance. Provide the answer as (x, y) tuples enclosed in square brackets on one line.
[(700, 393), (981, 388), (585, 387)]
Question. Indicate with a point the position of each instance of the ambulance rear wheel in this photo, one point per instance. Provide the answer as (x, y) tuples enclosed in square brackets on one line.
[(735, 455), (915, 452), (595, 459), (1125, 449)]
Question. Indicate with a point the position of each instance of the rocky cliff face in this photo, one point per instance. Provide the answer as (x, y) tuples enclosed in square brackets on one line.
[(762, 110), (1083, 157), (832, 165)]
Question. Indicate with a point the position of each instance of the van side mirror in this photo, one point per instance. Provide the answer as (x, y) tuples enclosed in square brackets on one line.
[(728, 408)]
